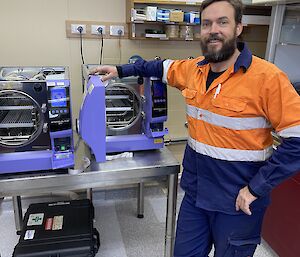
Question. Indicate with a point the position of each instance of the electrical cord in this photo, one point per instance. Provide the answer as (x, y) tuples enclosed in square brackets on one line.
[(41, 75), (80, 30), (101, 50), (120, 46)]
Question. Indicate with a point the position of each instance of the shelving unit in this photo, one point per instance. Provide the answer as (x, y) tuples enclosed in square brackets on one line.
[(254, 16), (137, 27), (191, 2)]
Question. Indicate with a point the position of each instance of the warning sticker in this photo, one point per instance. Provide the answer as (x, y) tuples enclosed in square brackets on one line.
[(57, 222), (35, 219), (48, 224), (158, 141), (29, 234)]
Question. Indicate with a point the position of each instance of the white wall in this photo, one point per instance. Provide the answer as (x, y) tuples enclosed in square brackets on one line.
[(33, 34)]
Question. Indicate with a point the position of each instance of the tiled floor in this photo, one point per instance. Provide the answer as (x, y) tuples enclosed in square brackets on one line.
[(122, 234)]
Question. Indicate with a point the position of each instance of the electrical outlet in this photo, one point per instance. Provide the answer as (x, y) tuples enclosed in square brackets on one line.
[(75, 30), (116, 30), (95, 29)]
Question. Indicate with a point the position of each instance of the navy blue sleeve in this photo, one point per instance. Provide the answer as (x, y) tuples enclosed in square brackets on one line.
[(142, 68), (284, 163)]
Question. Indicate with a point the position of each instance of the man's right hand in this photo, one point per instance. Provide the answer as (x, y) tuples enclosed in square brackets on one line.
[(108, 71)]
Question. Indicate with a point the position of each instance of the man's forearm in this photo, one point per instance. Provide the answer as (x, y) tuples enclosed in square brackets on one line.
[(142, 68), (284, 163)]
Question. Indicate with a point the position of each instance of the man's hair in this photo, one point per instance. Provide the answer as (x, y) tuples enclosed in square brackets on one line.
[(236, 4)]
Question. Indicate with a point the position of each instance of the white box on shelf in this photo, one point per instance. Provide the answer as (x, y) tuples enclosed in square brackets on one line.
[(151, 13), (155, 35)]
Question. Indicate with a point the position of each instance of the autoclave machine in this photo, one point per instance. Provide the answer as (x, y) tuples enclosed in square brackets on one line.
[(130, 113), (35, 119)]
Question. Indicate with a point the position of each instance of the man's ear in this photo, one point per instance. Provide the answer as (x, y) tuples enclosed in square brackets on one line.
[(239, 29)]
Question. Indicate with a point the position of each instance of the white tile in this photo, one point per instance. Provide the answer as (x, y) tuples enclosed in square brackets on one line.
[(8, 235), (108, 226)]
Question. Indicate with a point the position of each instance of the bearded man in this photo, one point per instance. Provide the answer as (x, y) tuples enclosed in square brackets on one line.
[(234, 100)]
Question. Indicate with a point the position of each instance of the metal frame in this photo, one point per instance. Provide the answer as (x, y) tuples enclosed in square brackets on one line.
[(274, 31), (144, 166)]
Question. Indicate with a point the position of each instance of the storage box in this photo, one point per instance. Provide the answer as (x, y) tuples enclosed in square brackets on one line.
[(138, 15), (192, 17), (163, 15), (176, 16), (151, 13), (59, 229)]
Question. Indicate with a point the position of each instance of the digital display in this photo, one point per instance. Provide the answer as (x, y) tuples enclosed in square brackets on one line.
[(158, 90), (58, 97)]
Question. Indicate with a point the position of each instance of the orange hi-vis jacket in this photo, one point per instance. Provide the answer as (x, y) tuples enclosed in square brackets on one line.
[(230, 124), (233, 119)]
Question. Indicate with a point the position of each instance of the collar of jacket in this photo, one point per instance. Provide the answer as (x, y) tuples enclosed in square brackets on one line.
[(243, 61)]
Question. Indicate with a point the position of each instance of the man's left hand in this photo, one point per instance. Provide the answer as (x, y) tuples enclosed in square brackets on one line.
[(243, 200)]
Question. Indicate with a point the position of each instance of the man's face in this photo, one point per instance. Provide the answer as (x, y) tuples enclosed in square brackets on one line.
[(219, 32)]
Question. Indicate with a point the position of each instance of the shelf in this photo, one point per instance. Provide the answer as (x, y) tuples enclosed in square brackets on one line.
[(164, 23), (253, 16), (247, 20), (20, 119), (8, 108), (199, 2), (157, 2), (164, 39)]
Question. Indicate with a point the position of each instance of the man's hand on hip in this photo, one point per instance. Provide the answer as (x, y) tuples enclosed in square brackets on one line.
[(108, 71), (243, 200)]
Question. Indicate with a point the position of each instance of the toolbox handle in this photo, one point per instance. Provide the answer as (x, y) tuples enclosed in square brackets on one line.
[(97, 238)]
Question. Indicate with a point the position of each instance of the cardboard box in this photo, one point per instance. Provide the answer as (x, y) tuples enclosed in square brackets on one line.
[(151, 13), (176, 16)]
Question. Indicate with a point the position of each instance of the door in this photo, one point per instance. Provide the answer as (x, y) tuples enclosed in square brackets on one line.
[(23, 117)]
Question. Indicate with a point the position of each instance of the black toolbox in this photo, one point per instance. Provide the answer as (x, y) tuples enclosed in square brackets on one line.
[(59, 229)]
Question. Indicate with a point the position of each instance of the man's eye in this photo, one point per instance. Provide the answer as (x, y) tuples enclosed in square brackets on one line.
[(223, 22)]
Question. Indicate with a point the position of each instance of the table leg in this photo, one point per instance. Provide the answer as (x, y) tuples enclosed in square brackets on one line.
[(171, 215), (18, 213), (140, 207), (89, 194)]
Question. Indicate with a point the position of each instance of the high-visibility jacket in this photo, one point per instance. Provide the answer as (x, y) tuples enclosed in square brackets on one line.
[(230, 124)]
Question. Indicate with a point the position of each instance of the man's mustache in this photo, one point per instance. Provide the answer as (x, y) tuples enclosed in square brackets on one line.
[(214, 37)]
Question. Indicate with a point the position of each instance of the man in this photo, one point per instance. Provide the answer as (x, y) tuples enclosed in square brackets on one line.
[(234, 101)]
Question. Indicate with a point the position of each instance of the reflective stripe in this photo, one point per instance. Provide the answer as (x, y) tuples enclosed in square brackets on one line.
[(166, 63), (230, 154), (227, 122), (290, 132)]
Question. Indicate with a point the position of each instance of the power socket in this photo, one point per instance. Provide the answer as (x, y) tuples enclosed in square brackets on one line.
[(116, 30), (95, 29), (75, 28)]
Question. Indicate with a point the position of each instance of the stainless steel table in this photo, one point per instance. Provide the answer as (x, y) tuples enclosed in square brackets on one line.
[(143, 166)]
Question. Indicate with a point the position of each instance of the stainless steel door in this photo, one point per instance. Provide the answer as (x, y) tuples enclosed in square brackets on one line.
[(123, 107), (23, 117)]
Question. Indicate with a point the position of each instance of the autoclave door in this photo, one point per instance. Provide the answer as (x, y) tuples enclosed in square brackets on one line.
[(23, 117)]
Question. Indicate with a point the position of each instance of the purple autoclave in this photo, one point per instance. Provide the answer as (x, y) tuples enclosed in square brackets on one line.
[(121, 115), (35, 119)]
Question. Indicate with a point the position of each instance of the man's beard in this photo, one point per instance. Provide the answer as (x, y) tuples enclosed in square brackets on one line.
[(226, 51)]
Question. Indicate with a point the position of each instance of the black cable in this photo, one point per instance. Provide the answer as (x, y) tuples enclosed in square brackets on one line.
[(101, 51), (80, 30), (120, 50), (81, 50)]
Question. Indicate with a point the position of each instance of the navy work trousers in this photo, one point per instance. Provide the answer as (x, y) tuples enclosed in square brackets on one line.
[(231, 235)]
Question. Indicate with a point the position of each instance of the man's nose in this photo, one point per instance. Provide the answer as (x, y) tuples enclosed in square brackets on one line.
[(214, 29)]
